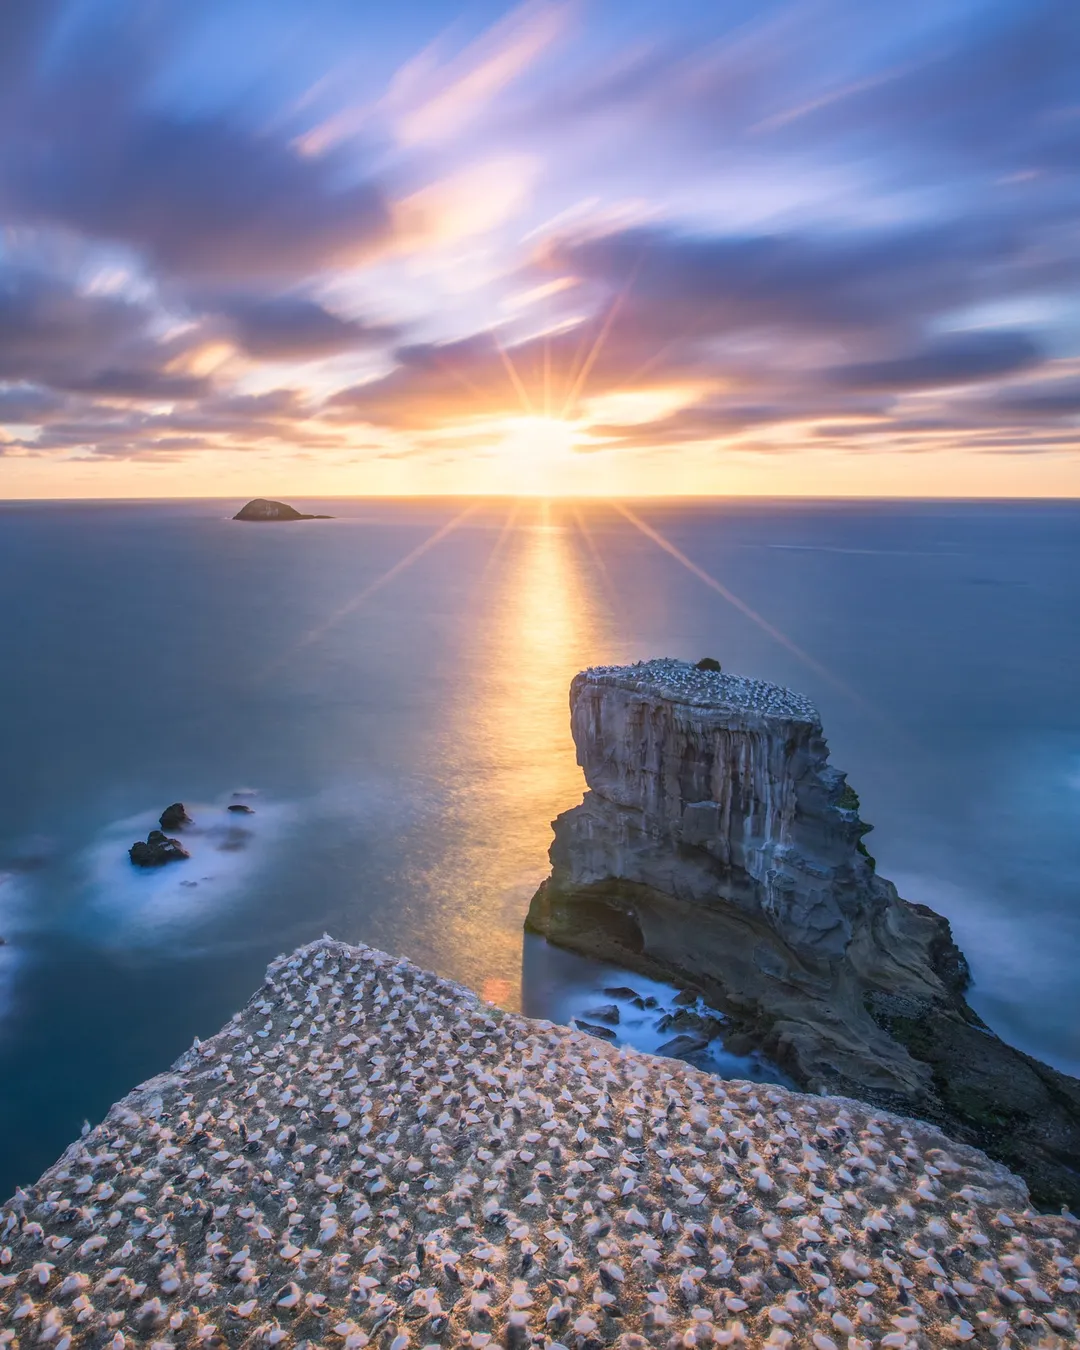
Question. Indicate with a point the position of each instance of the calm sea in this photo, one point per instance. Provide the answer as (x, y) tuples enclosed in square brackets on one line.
[(390, 687)]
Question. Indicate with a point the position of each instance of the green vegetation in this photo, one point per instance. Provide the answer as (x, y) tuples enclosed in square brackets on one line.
[(708, 663), (849, 801)]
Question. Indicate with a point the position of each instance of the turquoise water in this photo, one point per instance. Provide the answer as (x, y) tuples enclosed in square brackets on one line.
[(391, 688)]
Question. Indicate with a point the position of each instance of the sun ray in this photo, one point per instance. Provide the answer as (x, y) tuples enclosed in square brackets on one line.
[(515, 378), (461, 379), (632, 379), (601, 337), (606, 583), (314, 634), (668, 547), (504, 534)]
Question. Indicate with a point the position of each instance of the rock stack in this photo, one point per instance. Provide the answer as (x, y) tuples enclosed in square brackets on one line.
[(717, 847)]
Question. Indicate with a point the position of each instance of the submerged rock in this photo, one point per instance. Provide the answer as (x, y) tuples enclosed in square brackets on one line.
[(262, 509), (158, 850), (718, 848), (174, 817)]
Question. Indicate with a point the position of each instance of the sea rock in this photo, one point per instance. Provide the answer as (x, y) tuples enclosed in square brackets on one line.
[(262, 509), (718, 848), (174, 817), (681, 1046), (240, 809), (621, 991), (604, 1033), (158, 850), (695, 1023), (606, 1012)]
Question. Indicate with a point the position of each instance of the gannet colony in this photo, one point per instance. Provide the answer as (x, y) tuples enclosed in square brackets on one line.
[(367, 1154)]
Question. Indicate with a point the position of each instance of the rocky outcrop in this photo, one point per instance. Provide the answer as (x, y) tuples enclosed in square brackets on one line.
[(262, 509), (717, 847), (174, 817), (158, 850)]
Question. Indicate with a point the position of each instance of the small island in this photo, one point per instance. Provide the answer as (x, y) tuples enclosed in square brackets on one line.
[(262, 509)]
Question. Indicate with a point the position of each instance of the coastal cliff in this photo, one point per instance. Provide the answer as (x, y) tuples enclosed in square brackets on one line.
[(717, 846), (367, 1155)]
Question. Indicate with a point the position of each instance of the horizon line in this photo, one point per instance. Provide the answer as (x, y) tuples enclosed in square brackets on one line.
[(712, 497)]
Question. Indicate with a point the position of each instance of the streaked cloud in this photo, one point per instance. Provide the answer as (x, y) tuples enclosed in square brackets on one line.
[(637, 243)]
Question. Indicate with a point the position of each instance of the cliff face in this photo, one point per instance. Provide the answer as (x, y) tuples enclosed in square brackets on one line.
[(718, 847), (737, 781)]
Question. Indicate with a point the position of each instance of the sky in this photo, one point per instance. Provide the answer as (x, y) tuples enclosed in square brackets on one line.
[(596, 247)]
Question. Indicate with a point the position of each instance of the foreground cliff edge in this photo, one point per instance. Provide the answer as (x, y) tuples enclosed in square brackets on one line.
[(718, 848), (367, 1154)]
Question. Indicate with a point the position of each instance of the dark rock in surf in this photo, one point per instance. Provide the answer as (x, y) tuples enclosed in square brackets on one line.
[(263, 510), (174, 817), (681, 1046), (158, 850), (241, 809), (604, 1033), (693, 1023), (606, 1012)]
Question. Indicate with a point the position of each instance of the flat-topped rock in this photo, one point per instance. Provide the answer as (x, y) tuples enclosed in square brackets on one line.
[(262, 509), (718, 848), (367, 1154)]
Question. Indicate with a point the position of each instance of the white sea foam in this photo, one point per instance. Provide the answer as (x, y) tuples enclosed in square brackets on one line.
[(142, 906)]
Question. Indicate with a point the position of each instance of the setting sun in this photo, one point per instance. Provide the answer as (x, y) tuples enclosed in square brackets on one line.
[(534, 450)]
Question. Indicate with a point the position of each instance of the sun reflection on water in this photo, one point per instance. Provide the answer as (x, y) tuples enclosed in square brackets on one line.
[(507, 753)]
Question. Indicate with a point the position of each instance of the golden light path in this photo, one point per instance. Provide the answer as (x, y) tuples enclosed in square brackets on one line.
[(505, 747)]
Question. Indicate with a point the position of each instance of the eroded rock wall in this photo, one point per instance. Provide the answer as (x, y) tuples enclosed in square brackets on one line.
[(717, 846)]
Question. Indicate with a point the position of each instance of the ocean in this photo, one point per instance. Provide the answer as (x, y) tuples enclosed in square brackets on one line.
[(388, 692)]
